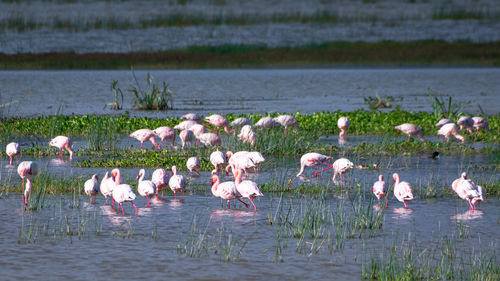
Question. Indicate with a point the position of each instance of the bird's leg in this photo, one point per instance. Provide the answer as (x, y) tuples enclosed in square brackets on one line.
[(246, 205), (181, 194), (285, 131), (95, 197), (90, 198), (386, 202), (253, 203), (10, 161), (113, 202), (134, 207), (404, 202), (329, 167), (197, 173), (470, 204), (149, 202), (228, 205), (175, 195), (141, 145), (408, 139), (222, 170), (106, 200)]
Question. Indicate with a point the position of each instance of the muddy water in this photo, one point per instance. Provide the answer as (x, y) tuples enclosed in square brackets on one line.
[(245, 91)]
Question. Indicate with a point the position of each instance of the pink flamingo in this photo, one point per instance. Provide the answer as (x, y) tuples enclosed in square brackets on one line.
[(160, 178), (146, 188), (106, 187), (379, 189), (402, 190), (341, 166), (186, 136), (343, 123), (480, 123), (143, 135), (218, 158), (410, 130), (467, 190), (92, 187), (219, 121), (166, 133), (239, 160), (122, 192), (266, 122), (226, 190), (287, 121), (176, 182), (466, 123), (192, 117), (197, 130), (248, 135), (210, 139), (313, 159), (12, 150), (185, 125), (247, 189), (27, 169), (194, 164), (443, 122), (257, 159), (240, 122), (62, 142), (448, 130)]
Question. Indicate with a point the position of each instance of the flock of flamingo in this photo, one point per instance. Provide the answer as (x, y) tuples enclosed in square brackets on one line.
[(241, 162)]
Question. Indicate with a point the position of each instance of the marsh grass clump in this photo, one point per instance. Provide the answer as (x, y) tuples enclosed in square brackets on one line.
[(117, 94), (442, 108), (154, 97)]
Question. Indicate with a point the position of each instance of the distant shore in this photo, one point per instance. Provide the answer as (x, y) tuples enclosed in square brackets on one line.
[(387, 53)]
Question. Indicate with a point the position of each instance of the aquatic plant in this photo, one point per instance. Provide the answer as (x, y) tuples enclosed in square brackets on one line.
[(377, 102), (117, 93), (446, 109), (154, 97)]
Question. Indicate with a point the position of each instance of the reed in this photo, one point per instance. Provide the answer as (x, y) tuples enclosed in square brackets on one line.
[(154, 96)]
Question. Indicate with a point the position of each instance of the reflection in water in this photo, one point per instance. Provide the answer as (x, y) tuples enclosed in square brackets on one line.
[(469, 215), (147, 211), (114, 217), (176, 203), (402, 213), (342, 141), (238, 215), (59, 162)]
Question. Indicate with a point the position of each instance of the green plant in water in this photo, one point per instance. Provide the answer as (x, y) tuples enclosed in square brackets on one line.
[(377, 102), (155, 97), (442, 108), (117, 93)]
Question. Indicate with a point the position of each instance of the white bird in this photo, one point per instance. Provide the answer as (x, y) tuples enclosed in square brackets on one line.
[(218, 158), (247, 189), (106, 187), (92, 187), (448, 130), (257, 159), (165, 134), (210, 139), (143, 135), (239, 160), (146, 188), (160, 178), (341, 166), (62, 142), (410, 130), (197, 130), (185, 125), (379, 189), (480, 123), (186, 136), (248, 135), (287, 121), (193, 164), (466, 123), (343, 124), (192, 117), (12, 150), (27, 170), (467, 190), (219, 121), (124, 193), (176, 182), (240, 122), (313, 159), (226, 190), (443, 122), (266, 122), (402, 190)]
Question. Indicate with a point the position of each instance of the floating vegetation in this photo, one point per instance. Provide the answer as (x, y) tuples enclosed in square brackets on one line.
[(154, 97), (378, 102)]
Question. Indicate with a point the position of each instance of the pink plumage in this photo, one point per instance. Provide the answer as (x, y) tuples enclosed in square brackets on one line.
[(143, 135), (410, 130), (402, 190), (448, 130), (287, 121), (62, 142), (166, 134), (313, 159), (12, 150), (219, 121)]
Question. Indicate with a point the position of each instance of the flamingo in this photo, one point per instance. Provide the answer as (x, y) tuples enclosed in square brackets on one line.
[(146, 188), (247, 134), (467, 190), (160, 178), (287, 121), (379, 189), (106, 187), (143, 135), (410, 130), (210, 139), (12, 150), (192, 117), (266, 122), (27, 169), (240, 122), (257, 158), (226, 190), (185, 125), (239, 160), (194, 164), (480, 123), (443, 122), (166, 133), (402, 190), (313, 159), (219, 121), (92, 187), (247, 189), (341, 166), (122, 192), (450, 129), (62, 142), (343, 123), (466, 123), (176, 182), (197, 130), (186, 136), (217, 158)]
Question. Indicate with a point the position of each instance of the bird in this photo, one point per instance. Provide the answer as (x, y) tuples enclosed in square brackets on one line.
[(467, 190), (287, 121), (266, 122), (410, 130), (247, 134), (443, 122), (160, 178), (247, 189), (313, 159), (92, 187), (143, 135), (379, 189), (12, 150), (466, 123), (240, 122), (239, 160), (176, 182), (185, 125), (226, 190), (186, 136), (106, 187), (210, 139), (341, 166), (450, 129), (192, 117), (27, 170), (219, 121), (197, 130), (166, 133), (257, 159), (122, 192), (343, 123), (218, 158), (193, 164), (480, 123), (402, 190), (62, 142), (146, 188)]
